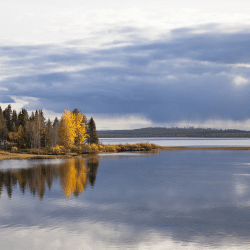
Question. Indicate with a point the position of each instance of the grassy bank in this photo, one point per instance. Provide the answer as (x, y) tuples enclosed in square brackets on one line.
[(7, 155), (60, 152)]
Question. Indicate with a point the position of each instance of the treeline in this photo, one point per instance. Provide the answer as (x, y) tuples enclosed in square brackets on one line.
[(173, 132), (34, 131)]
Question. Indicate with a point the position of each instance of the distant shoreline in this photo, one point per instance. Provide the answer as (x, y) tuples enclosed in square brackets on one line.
[(174, 132)]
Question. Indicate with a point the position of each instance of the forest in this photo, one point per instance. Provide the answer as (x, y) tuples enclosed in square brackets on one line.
[(173, 132), (24, 131)]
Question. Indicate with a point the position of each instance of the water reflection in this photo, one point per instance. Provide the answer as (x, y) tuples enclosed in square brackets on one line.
[(174, 200), (74, 175)]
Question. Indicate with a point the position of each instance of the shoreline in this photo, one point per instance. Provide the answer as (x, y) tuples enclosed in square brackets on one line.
[(6, 155)]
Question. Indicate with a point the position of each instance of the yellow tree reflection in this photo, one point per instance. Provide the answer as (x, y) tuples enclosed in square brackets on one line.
[(73, 177)]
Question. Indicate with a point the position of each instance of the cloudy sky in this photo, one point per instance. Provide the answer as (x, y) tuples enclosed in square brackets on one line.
[(129, 64)]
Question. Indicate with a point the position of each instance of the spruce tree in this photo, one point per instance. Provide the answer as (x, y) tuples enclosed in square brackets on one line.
[(48, 134), (23, 119), (55, 134), (14, 121), (91, 132), (7, 113), (3, 128)]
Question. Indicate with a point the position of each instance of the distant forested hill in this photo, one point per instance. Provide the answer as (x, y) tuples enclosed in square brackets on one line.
[(173, 132)]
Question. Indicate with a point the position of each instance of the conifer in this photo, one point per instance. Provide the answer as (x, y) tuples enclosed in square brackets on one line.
[(91, 132)]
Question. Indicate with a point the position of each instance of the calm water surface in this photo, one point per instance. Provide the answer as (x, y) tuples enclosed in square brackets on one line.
[(171, 200), (184, 141)]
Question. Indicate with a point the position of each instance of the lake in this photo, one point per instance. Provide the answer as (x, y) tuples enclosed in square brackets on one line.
[(169, 200), (182, 141)]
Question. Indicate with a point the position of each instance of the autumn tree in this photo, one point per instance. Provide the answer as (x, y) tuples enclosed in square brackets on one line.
[(13, 136), (72, 129), (91, 132), (81, 124), (67, 129), (22, 136), (80, 128)]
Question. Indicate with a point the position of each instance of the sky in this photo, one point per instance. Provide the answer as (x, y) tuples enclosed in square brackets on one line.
[(129, 64)]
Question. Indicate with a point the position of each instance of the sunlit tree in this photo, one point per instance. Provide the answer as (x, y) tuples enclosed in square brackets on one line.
[(67, 132), (80, 128), (72, 129)]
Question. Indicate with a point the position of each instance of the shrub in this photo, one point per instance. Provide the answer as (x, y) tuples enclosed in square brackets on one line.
[(14, 149), (58, 150)]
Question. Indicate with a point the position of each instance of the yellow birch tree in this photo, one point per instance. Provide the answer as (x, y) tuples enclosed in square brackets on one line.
[(80, 128), (72, 129), (67, 132)]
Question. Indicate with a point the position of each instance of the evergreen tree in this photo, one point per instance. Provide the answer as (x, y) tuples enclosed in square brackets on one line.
[(36, 130), (23, 119), (76, 111), (41, 125), (14, 121), (84, 119), (55, 134), (7, 113), (3, 128), (91, 132), (48, 134)]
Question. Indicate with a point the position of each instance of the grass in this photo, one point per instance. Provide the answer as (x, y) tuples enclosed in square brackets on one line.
[(7, 155)]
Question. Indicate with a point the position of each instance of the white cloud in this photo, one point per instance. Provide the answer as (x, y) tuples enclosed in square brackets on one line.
[(117, 122), (239, 80), (15, 105), (88, 235), (133, 121), (97, 23), (20, 102), (3, 89), (49, 114)]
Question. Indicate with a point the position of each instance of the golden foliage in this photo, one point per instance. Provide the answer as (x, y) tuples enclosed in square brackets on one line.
[(13, 135), (72, 129), (80, 128), (67, 130), (58, 150), (14, 149), (73, 177)]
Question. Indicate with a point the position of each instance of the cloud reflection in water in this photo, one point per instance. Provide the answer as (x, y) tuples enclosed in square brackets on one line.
[(174, 200)]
